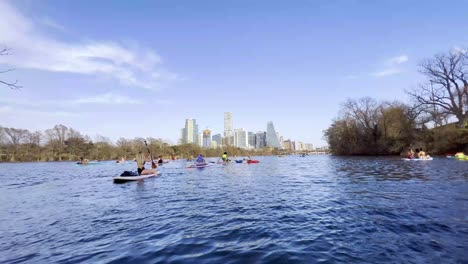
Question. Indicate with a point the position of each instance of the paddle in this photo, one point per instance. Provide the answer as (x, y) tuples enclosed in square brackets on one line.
[(153, 165)]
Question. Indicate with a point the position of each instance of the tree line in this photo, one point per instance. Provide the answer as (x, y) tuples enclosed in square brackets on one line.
[(62, 143), (436, 118)]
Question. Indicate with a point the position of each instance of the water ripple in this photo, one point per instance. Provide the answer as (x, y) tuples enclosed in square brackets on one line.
[(318, 209)]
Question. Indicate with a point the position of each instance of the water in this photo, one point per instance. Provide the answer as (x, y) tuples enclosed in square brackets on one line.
[(283, 210)]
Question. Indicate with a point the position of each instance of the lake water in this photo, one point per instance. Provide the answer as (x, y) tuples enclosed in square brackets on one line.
[(283, 210)]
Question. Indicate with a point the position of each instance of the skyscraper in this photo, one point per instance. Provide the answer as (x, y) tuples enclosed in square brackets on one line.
[(241, 138), (228, 128), (252, 138), (218, 139), (190, 132), (206, 138), (260, 140), (272, 138)]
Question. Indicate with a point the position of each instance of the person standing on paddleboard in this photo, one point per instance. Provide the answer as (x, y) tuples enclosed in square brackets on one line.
[(141, 159)]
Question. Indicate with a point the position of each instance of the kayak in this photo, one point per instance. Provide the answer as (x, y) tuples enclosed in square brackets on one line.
[(239, 161), (253, 161), (430, 158), (123, 179), (89, 163)]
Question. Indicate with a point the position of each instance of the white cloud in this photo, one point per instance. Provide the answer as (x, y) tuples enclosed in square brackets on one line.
[(398, 60), (392, 67), (163, 102), (47, 21), (386, 72), (14, 111), (108, 98), (459, 50), (34, 49)]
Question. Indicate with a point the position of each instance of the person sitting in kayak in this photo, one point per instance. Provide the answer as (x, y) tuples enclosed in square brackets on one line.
[(224, 157), (141, 159), (160, 160), (83, 161), (410, 154), (200, 159), (422, 154)]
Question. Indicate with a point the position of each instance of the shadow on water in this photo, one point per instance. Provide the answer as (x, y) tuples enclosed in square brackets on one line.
[(292, 209)]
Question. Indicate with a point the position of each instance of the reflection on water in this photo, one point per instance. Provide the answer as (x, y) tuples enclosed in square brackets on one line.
[(292, 209)]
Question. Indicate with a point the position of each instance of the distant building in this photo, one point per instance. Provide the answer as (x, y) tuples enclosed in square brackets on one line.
[(260, 140), (190, 132), (272, 138), (288, 145), (309, 146), (206, 138), (218, 139), (252, 138), (241, 138), (299, 146), (214, 144), (200, 139), (228, 128)]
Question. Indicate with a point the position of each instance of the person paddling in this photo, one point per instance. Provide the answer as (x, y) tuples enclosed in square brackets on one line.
[(422, 154), (200, 159), (141, 159), (160, 160), (410, 154), (224, 157), (83, 161)]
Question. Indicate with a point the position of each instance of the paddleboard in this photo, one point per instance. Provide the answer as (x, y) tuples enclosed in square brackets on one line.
[(123, 179), (418, 159), (253, 161), (202, 165)]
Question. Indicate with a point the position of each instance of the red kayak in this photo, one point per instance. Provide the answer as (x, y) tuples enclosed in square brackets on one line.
[(253, 161)]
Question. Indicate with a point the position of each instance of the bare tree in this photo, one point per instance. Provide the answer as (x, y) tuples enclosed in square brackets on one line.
[(363, 110), (13, 85), (15, 135), (446, 92)]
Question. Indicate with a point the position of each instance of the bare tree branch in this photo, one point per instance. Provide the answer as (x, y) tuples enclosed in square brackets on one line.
[(446, 92), (5, 51), (12, 85)]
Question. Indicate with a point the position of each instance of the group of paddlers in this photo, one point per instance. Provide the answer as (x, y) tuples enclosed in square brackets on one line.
[(417, 154)]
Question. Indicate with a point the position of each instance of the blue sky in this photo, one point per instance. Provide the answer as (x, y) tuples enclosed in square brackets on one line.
[(139, 68)]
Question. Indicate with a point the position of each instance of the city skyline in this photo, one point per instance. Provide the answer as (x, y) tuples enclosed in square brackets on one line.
[(291, 62), (239, 137)]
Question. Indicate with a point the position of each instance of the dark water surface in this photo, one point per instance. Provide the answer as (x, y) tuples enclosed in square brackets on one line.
[(283, 210)]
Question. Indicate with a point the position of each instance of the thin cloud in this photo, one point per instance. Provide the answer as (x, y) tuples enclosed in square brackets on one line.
[(136, 66), (108, 98), (15, 111), (398, 60), (386, 72), (393, 66), (48, 22)]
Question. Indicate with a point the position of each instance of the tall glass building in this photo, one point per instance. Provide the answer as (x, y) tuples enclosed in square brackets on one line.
[(272, 138), (228, 128), (190, 132)]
